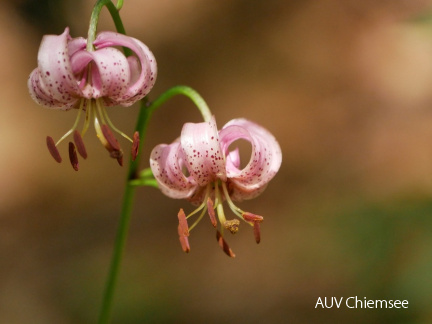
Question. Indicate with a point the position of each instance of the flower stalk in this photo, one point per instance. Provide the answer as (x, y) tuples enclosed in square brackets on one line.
[(132, 180)]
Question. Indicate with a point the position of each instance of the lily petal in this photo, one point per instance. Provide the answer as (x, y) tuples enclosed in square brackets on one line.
[(266, 158), (166, 164), (233, 160), (110, 73), (53, 82), (203, 155), (42, 96), (76, 44), (147, 77)]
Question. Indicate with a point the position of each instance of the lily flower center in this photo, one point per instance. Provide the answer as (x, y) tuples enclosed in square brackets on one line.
[(215, 193), (96, 114)]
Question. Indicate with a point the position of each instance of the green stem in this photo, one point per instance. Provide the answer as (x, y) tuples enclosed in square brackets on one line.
[(114, 11), (188, 92), (128, 198)]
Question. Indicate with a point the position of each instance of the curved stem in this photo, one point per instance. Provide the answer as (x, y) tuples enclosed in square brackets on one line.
[(128, 198), (188, 92), (114, 11)]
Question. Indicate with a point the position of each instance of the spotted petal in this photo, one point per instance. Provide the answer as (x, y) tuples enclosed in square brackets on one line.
[(141, 83), (166, 163), (110, 73), (202, 152), (265, 160), (52, 84)]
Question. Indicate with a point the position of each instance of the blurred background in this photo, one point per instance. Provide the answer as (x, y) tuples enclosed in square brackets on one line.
[(345, 86)]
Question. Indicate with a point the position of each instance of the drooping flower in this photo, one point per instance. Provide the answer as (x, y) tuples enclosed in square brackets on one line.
[(201, 167), (90, 77)]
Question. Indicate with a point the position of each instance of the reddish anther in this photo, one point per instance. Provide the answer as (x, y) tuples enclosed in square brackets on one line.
[(80, 144), (224, 245), (211, 212), (135, 145), (257, 232), (183, 222), (109, 136), (249, 217), (53, 149), (184, 241), (73, 156), (120, 160)]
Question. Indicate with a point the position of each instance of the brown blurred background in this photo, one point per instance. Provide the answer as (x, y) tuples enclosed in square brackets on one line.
[(346, 87)]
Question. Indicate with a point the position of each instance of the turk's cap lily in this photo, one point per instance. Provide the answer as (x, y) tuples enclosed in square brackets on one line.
[(89, 77), (68, 72), (201, 167), (204, 153)]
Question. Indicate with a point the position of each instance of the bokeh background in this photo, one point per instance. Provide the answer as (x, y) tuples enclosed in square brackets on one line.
[(345, 86)]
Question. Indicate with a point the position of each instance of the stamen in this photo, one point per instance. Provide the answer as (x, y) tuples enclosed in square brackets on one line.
[(201, 208), (73, 156), (109, 136), (224, 245), (53, 149), (257, 232), (135, 145), (184, 241), (249, 217), (104, 116), (74, 126), (112, 144), (233, 207), (219, 206), (120, 160), (232, 225), (80, 144), (183, 222), (211, 212)]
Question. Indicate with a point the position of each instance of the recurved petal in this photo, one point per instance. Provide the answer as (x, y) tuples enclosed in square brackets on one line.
[(265, 160), (166, 164), (56, 79), (233, 160), (203, 156), (42, 96), (141, 84), (110, 73)]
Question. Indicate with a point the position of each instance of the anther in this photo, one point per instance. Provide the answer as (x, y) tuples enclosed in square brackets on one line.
[(53, 149), (109, 136), (184, 241), (80, 144), (112, 145), (249, 217), (73, 156), (232, 225), (183, 222), (135, 145), (120, 160), (257, 232), (211, 212), (224, 245)]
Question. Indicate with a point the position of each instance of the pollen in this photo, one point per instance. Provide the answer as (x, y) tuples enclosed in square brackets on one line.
[(232, 225)]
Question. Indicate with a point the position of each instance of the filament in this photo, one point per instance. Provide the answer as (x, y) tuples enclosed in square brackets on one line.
[(74, 125), (233, 207), (104, 116)]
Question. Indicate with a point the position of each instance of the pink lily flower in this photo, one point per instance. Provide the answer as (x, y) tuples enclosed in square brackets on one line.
[(73, 74), (200, 167)]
